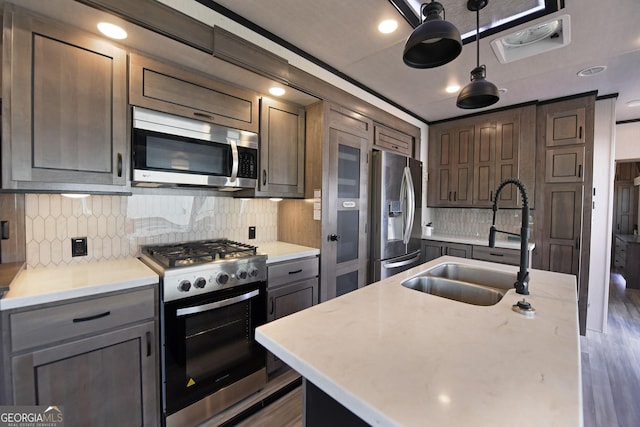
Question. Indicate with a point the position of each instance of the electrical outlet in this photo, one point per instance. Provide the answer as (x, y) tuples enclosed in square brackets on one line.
[(79, 246), (252, 232)]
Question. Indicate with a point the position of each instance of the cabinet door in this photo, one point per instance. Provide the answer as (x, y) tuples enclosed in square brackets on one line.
[(566, 127), (281, 149), (451, 167), (172, 89), (462, 171), (285, 300), (562, 228), (484, 171), (440, 167), (105, 380), (345, 258), (393, 140), (431, 250), (625, 207), (67, 92), (459, 250), (565, 164), (496, 159)]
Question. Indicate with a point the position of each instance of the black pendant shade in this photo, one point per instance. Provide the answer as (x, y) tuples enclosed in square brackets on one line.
[(480, 92), (434, 42)]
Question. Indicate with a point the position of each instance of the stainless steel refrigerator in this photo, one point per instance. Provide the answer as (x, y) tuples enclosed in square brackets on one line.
[(395, 223)]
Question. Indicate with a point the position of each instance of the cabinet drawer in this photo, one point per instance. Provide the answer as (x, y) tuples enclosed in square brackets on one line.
[(287, 272), (499, 255), (47, 325)]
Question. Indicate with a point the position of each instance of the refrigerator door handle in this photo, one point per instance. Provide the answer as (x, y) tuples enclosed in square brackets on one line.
[(410, 204), (401, 263)]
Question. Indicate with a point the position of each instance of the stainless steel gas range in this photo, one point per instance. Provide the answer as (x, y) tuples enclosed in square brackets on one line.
[(213, 297)]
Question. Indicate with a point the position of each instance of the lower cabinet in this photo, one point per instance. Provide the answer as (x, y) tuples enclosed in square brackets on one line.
[(100, 362), (292, 286), (432, 249), (627, 254)]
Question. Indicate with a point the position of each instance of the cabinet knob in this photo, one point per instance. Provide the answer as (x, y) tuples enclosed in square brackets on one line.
[(334, 237)]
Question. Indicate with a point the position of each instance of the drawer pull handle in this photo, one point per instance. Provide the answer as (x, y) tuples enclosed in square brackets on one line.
[(88, 318), (203, 115), (494, 254), (295, 272)]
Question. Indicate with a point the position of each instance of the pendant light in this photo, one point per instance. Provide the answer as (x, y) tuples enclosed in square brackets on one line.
[(480, 92), (434, 42)]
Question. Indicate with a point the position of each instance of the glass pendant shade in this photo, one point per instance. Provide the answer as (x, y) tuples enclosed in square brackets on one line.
[(479, 93), (434, 42)]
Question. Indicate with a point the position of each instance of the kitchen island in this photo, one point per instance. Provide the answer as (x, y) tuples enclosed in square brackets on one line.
[(395, 356)]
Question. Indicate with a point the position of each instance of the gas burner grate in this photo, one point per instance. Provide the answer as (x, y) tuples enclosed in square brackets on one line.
[(198, 252)]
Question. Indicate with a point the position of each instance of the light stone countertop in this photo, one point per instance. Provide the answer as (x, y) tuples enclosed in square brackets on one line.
[(469, 240), (395, 356), (44, 285), (281, 251)]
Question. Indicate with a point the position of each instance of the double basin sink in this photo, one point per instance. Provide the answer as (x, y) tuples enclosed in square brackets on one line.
[(463, 283)]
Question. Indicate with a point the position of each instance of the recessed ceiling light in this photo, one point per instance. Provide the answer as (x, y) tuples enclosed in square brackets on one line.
[(112, 31), (388, 26), (276, 91), (502, 90), (452, 88), (592, 71), (633, 103)]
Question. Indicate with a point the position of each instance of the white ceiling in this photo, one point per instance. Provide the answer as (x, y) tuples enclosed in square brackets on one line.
[(344, 35)]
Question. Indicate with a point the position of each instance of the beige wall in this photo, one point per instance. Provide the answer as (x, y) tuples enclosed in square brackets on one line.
[(628, 141)]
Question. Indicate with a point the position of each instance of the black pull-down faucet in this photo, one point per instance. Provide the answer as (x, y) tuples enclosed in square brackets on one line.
[(522, 282)]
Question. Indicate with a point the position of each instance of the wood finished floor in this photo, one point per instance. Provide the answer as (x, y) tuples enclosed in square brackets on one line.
[(610, 371), (611, 363)]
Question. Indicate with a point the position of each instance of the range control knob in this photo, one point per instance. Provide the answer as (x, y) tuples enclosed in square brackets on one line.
[(184, 286), (253, 272), (200, 282), (222, 278), (241, 274)]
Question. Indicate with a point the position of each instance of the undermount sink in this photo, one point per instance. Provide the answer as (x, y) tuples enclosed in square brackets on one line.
[(475, 275), (463, 283)]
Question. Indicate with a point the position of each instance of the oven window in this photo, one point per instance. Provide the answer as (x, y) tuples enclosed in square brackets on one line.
[(217, 340), (174, 154)]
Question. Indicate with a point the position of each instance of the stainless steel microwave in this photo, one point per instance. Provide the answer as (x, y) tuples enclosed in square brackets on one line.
[(170, 150)]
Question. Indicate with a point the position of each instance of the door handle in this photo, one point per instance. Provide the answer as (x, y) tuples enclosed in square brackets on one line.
[(119, 165), (334, 238), (148, 335), (203, 115), (579, 171), (264, 177)]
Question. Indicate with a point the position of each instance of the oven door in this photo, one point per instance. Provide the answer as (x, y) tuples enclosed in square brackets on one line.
[(210, 343)]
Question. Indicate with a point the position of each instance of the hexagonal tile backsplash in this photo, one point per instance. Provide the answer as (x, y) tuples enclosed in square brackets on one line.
[(116, 226)]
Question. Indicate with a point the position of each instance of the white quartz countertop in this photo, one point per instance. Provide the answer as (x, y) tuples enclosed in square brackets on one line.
[(398, 357), (43, 285), (281, 251), (469, 240)]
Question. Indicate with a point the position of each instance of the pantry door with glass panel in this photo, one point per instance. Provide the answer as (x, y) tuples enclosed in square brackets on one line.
[(345, 221)]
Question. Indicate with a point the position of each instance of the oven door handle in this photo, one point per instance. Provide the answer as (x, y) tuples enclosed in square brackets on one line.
[(218, 304)]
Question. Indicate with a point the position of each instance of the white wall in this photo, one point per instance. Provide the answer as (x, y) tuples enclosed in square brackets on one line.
[(628, 141), (605, 143)]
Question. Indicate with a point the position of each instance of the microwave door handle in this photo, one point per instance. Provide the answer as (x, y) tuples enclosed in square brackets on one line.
[(214, 305), (234, 156)]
